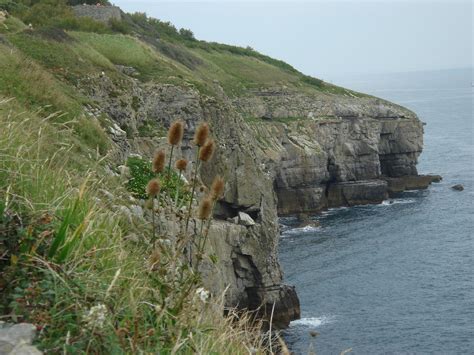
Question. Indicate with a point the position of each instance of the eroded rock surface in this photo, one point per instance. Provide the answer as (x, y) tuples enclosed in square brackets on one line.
[(279, 152), (335, 151)]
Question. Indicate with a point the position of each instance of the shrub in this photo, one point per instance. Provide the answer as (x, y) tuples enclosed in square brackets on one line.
[(12, 6), (141, 173), (84, 24), (89, 2), (187, 34), (119, 26), (47, 12), (312, 81)]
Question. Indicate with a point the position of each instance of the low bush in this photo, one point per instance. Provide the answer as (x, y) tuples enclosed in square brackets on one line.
[(84, 24), (141, 173)]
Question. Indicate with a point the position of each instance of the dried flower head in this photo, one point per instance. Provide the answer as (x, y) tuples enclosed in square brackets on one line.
[(159, 162), (202, 132), (96, 317), (217, 188), (153, 188), (205, 208), (206, 151), (181, 164), (175, 133)]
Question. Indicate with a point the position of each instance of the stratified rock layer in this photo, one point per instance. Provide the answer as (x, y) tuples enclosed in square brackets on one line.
[(279, 152), (337, 151)]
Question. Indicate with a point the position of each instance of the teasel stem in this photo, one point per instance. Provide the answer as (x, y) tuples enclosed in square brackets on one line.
[(153, 189), (153, 218), (177, 190), (199, 251), (208, 228), (168, 176), (196, 168)]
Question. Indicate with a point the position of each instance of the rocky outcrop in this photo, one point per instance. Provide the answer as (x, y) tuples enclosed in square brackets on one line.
[(16, 339), (330, 151), (99, 13), (247, 251), (297, 153)]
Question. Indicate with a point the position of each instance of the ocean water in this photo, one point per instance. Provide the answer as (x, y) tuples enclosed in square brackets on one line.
[(396, 278)]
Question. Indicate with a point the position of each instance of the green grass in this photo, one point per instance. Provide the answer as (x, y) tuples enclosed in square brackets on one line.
[(33, 86), (128, 51), (11, 25), (66, 257), (61, 53), (141, 174), (238, 74)]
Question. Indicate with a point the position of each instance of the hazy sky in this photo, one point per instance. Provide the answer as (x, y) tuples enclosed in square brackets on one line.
[(331, 38)]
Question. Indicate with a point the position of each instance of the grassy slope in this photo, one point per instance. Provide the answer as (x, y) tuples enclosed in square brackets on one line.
[(44, 186), (50, 185)]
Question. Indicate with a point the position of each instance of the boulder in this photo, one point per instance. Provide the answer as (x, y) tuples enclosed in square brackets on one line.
[(458, 187), (245, 219), (17, 339)]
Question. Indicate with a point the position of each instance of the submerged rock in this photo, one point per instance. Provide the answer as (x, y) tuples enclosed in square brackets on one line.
[(458, 187), (305, 221)]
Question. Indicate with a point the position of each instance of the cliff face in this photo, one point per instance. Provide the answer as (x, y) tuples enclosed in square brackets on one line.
[(247, 255), (334, 151), (280, 152)]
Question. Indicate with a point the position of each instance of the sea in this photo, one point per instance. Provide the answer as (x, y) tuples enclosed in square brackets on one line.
[(397, 277)]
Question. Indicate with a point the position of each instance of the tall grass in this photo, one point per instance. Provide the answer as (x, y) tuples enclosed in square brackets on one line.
[(71, 268)]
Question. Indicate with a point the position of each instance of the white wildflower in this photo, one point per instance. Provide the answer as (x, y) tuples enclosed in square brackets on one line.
[(96, 316), (203, 294)]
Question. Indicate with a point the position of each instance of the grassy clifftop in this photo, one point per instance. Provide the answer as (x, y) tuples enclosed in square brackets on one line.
[(157, 50)]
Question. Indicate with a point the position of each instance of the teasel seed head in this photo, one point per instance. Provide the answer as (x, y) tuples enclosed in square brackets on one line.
[(175, 133), (206, 151), (217, 188), (202, 132), (181, 164), (153, 188), (159, 162), (205, 208)]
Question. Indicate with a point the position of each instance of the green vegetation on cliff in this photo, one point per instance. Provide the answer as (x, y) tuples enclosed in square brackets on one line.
[(86, 274), (156, 49)]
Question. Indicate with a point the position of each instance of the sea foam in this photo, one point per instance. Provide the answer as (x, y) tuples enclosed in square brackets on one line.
[(313, 321)]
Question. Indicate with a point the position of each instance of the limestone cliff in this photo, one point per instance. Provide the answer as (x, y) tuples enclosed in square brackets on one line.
[(279, 152), (328, 151), (247, 255)]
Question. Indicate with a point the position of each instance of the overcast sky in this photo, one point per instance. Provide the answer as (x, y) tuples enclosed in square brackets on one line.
[(331, 38)]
